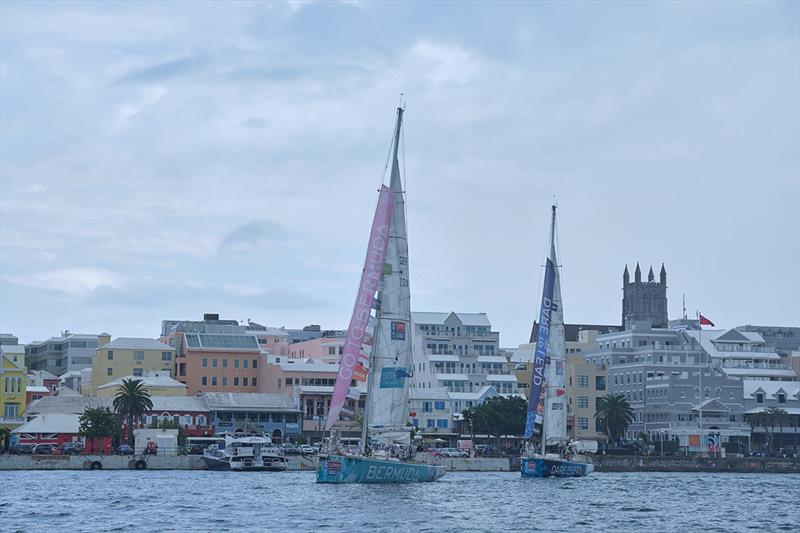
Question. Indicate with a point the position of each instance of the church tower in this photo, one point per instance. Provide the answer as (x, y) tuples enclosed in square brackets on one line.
[(644, 300)]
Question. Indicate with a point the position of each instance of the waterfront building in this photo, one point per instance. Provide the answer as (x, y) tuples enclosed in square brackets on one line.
[(311, 381), (126, 356), (275, 415), (8, 339), (57, 355), (273, 341), (214, 355), (313, 331), (759, 395), (327, 348), (13, 385), (741, 354), (436, 412), (459, 352), (156, 384), (41, 383), (674, 390), (782, 339), (55, 429), (644, 300)]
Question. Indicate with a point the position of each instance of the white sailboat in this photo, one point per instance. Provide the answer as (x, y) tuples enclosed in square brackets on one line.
[(547, 377), (384, 357)]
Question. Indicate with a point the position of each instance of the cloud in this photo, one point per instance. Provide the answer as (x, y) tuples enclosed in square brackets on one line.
[(150, 96), (162, 71), (256, 235), (69, 280)]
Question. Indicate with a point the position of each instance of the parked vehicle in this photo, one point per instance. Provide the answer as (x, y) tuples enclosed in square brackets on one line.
[(70, 448), (151, 448), (484, 449), (290, 449), (306, 449), (125, 450), (452, 452), (21, 449), (43, 449)]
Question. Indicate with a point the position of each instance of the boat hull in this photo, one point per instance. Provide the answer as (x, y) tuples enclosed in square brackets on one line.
[(342, 469), (276, 465), (544, 467)]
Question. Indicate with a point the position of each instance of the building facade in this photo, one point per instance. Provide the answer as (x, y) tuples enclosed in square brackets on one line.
[(57, 355), (276, 415), (127, 356), (760, 395), (13, 385)]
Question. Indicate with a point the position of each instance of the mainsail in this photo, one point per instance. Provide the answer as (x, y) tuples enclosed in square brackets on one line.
[(387, 394), (550, 355)]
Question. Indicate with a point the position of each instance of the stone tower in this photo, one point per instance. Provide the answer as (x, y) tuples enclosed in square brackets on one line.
[(644, 300)]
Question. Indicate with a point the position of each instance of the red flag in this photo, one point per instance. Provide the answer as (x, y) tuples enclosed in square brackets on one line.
[(705, 322)]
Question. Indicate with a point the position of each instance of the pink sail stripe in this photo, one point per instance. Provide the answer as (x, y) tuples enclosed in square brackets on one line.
[(370, 278)]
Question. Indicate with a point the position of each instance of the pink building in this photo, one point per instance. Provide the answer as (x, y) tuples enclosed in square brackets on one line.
[(274, 341), (327, 349), (313, 380)]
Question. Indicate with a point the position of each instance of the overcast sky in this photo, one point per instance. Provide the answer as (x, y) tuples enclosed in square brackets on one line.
[(161, 161)]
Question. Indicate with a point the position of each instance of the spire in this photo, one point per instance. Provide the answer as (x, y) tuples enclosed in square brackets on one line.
[(626, 277), (663, 275), (650, 276), (637, 274)]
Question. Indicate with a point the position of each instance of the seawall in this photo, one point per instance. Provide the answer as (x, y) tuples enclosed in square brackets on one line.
[(101, 462), (695, 464)]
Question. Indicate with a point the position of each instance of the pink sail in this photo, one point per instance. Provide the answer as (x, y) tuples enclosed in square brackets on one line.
[(370, 279)]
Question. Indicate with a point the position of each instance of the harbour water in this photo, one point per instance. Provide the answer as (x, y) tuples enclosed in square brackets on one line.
[(291, 501)]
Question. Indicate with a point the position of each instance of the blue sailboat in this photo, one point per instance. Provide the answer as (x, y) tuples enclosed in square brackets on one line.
[(547, 380), (382, 358)]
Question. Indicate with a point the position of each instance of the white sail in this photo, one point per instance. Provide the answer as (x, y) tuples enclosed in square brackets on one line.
[(556, 399), (387, 396)]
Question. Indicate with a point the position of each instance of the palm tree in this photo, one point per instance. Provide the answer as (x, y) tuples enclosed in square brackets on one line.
[(615, 415), (132, 402)]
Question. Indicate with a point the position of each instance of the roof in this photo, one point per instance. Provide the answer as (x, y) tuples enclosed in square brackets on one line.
[(307, 365), (571, 331), (33, 388), (443, 358), (452, 377), (438, 393), (249, 401), (52, 423), (712, 335), (492, 359), (179, 403), (12, 349), (770, 388), (483, 392), (147, 381), (765, 372), (66, 404), (502, 377), (467, 319), (224, 341), (44, 374), (136, 343), (273, 332)]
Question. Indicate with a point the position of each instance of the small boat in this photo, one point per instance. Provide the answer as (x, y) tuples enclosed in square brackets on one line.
[(378, 351), (254, 453), (548, 385)]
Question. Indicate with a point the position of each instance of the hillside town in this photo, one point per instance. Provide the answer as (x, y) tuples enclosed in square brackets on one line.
[(692, 388)]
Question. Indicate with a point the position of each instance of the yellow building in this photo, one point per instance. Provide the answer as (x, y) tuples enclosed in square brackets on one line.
[(13, 385), (156, 385), (127, 356)]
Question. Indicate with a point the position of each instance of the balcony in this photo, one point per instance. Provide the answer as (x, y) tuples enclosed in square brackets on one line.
[(12, 420)]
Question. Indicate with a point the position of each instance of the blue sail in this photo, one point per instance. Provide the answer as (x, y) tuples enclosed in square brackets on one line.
[(542, 339)]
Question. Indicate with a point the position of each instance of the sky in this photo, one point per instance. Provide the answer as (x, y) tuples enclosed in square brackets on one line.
[(165, 160)]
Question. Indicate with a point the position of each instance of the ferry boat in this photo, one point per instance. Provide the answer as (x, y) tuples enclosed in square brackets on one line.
[(245, 453)]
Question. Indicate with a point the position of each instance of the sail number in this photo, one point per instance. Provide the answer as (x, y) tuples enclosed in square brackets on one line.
[(404, 282), (403, 260)]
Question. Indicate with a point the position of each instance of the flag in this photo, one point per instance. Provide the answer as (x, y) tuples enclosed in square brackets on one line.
[(705, 322)]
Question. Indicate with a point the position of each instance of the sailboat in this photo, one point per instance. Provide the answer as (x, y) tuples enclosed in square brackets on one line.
[(382, 358), (547, 380)]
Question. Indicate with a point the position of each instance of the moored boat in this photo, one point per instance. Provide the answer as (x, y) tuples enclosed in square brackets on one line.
[(252, 453)]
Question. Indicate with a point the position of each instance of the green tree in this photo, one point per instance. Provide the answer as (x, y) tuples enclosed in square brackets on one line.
[(497, 416), (615, 415), (131, 402), (4, 433), (97, 423), (773, 417)]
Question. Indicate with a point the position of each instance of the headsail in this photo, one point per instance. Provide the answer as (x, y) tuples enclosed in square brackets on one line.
[(387, 396), (357, 332)]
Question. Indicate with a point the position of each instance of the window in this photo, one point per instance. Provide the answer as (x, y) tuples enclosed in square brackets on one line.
[(441, 423), (244, 382), (331, 350), (583, 382), (224, 363), (166, 356), (137, 372), (426, 407), (583, 422), (599, 383), (781, 398), (439, 406), (204, 380), (288, 382), (244, 363), (205, 363), (759, 397), (236, 381), (224, 381), (213, 381), (11, 410), (214, 363), (255, 363), (583, 402), (138, 356), (255, 383), (109, 371), (429, 423), (110, 355), (235, 363)]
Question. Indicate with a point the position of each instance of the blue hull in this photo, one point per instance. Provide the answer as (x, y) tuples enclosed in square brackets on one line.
[(541, 467), (341, 469)]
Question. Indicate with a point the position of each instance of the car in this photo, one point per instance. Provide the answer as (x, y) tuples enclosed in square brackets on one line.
[(452, 452), (306, 449), (125, 450), (70, 448), (290, 449), (20, 449), (44, 449)]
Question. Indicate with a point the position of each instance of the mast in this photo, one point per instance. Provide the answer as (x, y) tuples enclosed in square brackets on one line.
[(381, 349)]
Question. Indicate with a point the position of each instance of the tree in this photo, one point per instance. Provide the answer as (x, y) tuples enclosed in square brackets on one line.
[(97, 423), (615, 415), (4, 433), (773, 417), (498, 416), (131, 402)]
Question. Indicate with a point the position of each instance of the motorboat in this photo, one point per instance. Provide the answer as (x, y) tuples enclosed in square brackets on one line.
[(256, 453)]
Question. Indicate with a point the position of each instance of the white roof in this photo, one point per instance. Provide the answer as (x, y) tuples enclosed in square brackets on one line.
[(492, 359), (316, 389), (487, 390), (438, 393), (770, 388), (147, 381), (12, 349), (524, 354), (765, 372), (712, 335), (507, 378), (178, 403), (452, 377), (51, 423), (443, 358), (467, 319), (136, 343), (33, 388), (307, 365)]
